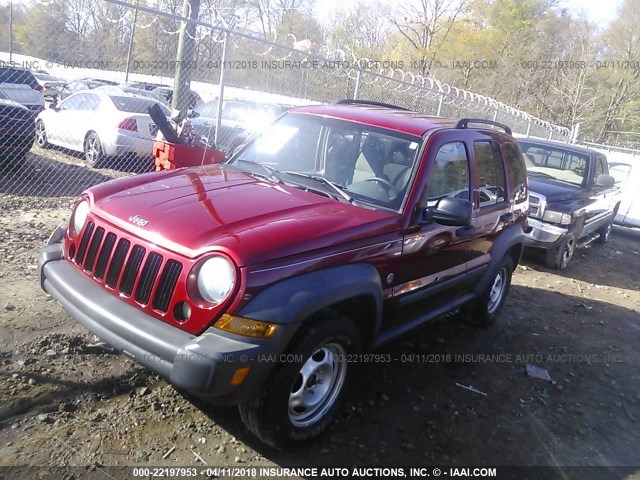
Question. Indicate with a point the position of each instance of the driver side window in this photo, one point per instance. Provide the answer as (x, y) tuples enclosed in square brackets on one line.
[(449, 175)]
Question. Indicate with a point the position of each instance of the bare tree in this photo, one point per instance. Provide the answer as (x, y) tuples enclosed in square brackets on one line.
[(421, 22)]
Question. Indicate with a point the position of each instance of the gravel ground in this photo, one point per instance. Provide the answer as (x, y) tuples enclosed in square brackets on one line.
[(67, 399)]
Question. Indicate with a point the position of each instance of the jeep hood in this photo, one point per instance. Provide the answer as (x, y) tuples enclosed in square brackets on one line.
[(192, 211), (554, 190)]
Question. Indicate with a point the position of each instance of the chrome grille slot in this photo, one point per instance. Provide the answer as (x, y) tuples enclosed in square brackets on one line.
[(167, 283), (131, 270), (117, 262), (148, 277)]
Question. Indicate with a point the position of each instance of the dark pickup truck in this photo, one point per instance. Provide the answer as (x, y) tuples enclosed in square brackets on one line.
[(573, 199)]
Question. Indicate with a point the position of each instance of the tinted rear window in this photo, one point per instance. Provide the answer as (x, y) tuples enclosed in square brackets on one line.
[(15, 75), (136, 105)]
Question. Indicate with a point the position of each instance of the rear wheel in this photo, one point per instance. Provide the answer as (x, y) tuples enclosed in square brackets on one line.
[(605, 233), (301, 397), (93, 150), (41, 135), (485, 310), (560, 257)]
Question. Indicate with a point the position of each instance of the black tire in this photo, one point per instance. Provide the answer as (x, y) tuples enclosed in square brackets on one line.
[(605, 232), (560, 257), (93, 153), (486, 308), (41, 135), (270, 414)]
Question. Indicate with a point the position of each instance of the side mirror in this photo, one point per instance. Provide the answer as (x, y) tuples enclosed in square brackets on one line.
[(450, 211), (606, 181)]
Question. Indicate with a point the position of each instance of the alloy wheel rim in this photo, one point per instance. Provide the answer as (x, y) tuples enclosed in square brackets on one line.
[(317, 385), (41, 134), (567, 252), (92, 150)]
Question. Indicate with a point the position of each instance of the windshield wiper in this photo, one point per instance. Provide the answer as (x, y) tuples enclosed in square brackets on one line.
[(319, 178), (272, 173)]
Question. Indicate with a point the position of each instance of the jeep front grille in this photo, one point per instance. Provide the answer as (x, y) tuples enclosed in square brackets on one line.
[(128, 268)]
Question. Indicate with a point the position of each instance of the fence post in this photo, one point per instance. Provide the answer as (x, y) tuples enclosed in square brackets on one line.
[(10, 32), (186, 42), (529, 128), (495, 114), (440, 104), (133, 34), (225, 52), (357, 89)]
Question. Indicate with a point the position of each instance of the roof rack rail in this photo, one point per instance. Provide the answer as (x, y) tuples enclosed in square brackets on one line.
[(464, 123), (371, 103)]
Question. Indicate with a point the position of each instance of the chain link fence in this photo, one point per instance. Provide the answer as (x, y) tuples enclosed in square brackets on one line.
[(89, 84)]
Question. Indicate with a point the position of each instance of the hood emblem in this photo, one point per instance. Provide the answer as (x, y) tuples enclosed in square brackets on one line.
[(138, 220)]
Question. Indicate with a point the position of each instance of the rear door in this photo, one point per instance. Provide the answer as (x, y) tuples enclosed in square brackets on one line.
[(492, 209)]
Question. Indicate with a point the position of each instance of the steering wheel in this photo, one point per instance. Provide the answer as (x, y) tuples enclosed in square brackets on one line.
[(392, 191)]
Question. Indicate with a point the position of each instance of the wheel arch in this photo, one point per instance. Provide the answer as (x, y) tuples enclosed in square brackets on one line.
[(353, 290), (510, 242)]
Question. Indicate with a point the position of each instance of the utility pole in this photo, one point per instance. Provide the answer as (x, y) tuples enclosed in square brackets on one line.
[(133, 33), (186, 43), (10, 32)]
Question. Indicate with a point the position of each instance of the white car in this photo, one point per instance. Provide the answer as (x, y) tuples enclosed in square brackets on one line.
[(627, 177), (104, 122), (19, 85)]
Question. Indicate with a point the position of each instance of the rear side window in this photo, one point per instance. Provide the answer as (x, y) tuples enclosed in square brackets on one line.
[(15, 75), (517, 173), (491, 175)]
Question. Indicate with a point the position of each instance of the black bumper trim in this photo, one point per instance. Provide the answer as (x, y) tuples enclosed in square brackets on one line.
[(202, 365)]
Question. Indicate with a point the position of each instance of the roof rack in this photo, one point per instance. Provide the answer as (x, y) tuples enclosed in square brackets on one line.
[(464, 123), (371, 103)]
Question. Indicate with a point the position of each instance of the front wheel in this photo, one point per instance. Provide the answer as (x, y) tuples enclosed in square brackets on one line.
[(485, 310), (560, 257), (302, 396)]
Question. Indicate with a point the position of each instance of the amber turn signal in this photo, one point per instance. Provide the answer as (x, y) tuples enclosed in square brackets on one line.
[(246, 326), (239, 375)]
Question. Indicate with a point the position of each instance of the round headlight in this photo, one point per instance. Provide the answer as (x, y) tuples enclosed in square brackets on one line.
[(216, 279), (80, 217)]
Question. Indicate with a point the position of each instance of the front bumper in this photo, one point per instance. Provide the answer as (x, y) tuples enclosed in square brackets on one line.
[(204, 365), (543, 235)]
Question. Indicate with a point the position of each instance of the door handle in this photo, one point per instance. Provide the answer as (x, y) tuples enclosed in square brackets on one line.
[(465, 231), (506, 217)]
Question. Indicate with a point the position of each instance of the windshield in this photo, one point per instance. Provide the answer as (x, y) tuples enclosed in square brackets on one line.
[(136, 105), (372, 166), (556, 163)]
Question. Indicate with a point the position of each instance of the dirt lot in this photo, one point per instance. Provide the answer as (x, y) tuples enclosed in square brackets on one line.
[(65, 399)]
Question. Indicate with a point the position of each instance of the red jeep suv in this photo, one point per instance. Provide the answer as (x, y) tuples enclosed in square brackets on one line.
[(260, 281)]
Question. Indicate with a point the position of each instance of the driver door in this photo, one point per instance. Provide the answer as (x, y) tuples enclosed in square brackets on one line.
[(434, 256)]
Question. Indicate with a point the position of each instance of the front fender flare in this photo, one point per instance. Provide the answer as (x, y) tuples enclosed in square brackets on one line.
[(294, 299)]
